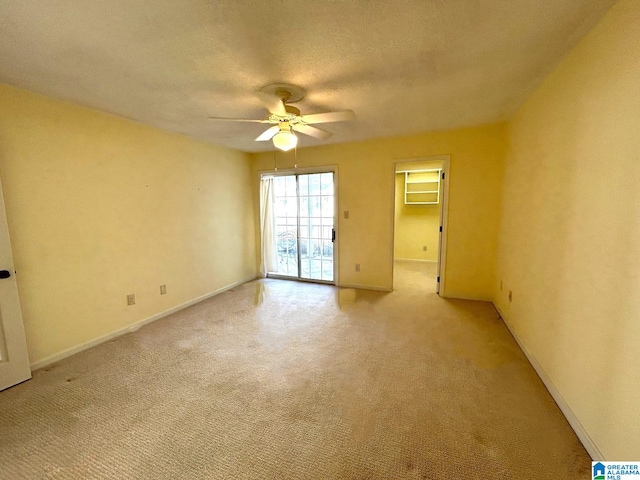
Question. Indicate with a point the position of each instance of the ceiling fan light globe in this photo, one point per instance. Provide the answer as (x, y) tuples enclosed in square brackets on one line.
[(285, 140)]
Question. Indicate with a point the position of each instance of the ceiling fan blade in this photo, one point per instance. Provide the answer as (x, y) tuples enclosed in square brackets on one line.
[(250, 120), (268, 134), (273, 103), (329, 117), (311, 131)]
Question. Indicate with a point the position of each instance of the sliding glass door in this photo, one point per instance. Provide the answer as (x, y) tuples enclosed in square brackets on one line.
[(303, 211), (315, 215)]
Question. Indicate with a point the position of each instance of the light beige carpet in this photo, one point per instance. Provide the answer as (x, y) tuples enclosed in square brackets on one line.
[(288, 380)]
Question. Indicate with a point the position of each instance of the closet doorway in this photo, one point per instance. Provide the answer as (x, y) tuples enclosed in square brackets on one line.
[(420, 223), (298, 218)]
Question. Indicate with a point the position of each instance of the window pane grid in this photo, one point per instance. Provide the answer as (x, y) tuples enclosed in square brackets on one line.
[(304, 225)]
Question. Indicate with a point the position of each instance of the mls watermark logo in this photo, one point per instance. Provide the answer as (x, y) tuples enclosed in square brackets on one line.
[(615, 470)]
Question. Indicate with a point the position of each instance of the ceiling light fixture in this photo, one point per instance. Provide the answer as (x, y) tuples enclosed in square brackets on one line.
[(285, 140)]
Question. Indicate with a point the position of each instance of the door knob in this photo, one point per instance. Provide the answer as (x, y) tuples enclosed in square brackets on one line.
[(5, 273)]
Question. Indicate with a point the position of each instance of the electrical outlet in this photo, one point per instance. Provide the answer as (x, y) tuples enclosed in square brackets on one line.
[(131, 299), (500, 285), (510, 295), (346, 214), (357, 267), (424, 248), (163, 289)]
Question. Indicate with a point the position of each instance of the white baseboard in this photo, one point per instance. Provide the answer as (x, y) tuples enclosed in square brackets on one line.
[(414, 260), (133, 327), (364, 287), (577, 427), (454, 296)]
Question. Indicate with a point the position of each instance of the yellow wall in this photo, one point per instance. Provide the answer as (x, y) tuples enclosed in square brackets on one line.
[(100, 207), (416, 226), (570, 230), (366, 175)]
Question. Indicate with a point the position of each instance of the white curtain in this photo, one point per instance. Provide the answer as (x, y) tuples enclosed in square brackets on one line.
[(269, 260)]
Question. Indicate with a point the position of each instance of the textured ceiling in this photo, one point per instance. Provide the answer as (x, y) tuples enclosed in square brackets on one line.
[(403, 66)]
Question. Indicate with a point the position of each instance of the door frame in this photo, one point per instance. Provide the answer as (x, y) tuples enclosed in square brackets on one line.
[(444, 216), (304, 171)]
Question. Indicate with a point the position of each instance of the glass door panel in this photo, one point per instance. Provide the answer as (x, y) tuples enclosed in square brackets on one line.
[(316, 210), (304, 214), (286, 216)]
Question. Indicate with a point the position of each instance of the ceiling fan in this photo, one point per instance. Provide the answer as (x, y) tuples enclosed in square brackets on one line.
[(286, 119)]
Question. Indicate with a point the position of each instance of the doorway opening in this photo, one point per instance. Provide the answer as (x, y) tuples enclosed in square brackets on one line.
[(420, 218), (298, 226)]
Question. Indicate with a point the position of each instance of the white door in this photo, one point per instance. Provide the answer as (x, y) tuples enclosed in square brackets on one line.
[(14, 360), (441, 186)]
